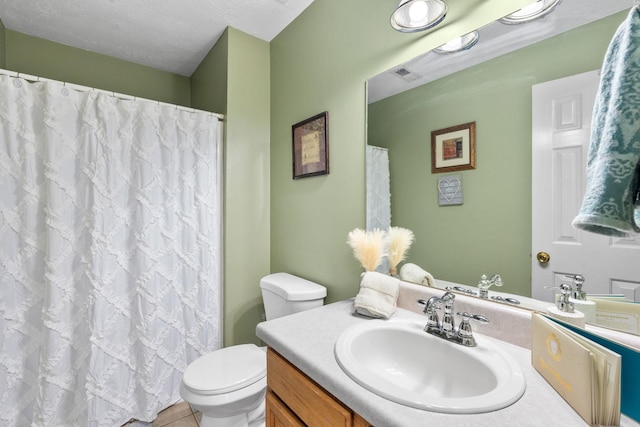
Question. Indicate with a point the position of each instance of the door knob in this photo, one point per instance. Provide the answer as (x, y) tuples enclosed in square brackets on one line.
[(543, 257)]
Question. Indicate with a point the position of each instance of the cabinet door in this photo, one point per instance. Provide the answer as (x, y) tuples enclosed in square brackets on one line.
[(278, 415), (301, 400), (358, 421), (310, 402)]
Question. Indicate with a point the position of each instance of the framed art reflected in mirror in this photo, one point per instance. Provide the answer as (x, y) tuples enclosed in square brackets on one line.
[(453, 148)]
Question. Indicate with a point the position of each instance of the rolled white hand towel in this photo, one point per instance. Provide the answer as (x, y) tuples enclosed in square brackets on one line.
[(414, 273), (377, 296)]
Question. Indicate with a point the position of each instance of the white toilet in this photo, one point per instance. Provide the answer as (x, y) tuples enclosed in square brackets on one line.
[(228, 385)]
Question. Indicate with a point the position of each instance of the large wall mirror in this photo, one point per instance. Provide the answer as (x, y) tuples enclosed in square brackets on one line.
[(491, 85)]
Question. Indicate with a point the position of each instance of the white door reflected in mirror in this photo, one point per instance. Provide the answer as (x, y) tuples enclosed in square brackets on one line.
[(561, 126)]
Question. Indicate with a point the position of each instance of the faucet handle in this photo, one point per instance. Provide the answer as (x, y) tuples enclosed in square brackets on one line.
[(431, 305), (427, 307), (433, 321), (465, 333), (476, 317), (461, 290)]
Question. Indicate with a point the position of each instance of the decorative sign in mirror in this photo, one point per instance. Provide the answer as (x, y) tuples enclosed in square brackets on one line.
[(450, 190)]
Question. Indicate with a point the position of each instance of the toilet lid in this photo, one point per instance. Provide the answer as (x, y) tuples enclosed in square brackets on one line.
[(226, 370)]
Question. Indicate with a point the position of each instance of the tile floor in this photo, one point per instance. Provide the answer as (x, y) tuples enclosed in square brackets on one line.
[(178, 415)]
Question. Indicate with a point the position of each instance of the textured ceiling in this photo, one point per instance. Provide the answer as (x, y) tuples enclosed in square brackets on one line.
[(170, 35)]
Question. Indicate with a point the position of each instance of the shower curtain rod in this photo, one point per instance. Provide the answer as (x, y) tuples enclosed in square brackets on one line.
[(81, 88)]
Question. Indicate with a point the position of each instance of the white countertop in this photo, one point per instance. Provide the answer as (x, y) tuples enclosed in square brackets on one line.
[(307, 340)]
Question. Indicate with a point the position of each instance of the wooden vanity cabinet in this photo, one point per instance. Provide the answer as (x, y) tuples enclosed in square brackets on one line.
[(293, 399)]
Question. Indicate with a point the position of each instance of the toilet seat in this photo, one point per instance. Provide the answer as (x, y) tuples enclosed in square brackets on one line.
[(226, 370)]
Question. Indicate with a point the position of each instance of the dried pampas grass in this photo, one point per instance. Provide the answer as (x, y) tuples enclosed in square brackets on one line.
[(399, 241), (368, 247)]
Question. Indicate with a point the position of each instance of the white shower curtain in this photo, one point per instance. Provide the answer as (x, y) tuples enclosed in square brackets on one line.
[(378, 193), (109, 253), (378, 188)]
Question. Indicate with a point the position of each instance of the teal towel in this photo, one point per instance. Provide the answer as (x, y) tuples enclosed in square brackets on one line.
[(610, 205)]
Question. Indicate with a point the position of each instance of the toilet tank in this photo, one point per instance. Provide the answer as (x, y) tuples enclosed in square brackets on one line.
[(285, 294)]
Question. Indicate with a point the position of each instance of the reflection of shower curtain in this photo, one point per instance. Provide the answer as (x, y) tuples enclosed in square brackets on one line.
[(109, 263), (378, 193)]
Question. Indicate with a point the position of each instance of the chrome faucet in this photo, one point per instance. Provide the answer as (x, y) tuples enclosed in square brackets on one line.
[(447, 328), (434, 325), (485, 283)]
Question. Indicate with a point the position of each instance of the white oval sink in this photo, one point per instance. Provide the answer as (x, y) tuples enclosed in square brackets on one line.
[(397, 360)]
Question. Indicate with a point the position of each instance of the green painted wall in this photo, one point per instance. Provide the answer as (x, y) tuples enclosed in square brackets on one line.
[(247, 215), (3, 59), (320, 63), (491, 231), (209, 81), (234, 79), (32, 55)]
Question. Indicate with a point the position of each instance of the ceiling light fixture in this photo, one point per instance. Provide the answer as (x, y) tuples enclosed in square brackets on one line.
[(418, 15), (533, 11), (459, 43)]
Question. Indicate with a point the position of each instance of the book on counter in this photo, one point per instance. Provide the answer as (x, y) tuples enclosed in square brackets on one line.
[(586, 374)]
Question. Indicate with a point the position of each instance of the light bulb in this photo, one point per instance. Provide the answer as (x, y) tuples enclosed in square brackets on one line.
[(531, 9), (418, 11), (459, 43), (418, 15), (454, 44)]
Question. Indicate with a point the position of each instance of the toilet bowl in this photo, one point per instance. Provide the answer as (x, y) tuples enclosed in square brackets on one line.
[(228, 386)]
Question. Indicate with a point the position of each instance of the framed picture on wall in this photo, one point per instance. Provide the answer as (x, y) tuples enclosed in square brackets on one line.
[(311, 146), (453, 148)]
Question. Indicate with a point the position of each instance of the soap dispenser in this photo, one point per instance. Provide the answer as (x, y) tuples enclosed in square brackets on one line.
[(579, 300), (564, 308)]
